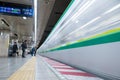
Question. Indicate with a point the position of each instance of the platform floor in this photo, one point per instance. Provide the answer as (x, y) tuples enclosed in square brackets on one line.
[(39, 68)]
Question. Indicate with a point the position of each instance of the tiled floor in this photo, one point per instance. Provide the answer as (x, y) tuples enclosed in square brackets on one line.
[(9, 65), (26, 72), (46, 69)]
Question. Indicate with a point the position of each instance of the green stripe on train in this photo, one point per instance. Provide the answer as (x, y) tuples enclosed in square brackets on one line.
[(105, 37), (101, 34)]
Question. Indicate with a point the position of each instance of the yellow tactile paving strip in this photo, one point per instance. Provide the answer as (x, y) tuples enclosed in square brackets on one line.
[(26, 72)]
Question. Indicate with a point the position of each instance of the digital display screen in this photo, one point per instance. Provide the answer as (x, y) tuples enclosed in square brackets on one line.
[(10, 10), (16, 9), (27, 12)]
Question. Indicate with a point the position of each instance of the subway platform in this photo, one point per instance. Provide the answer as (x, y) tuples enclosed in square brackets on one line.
[(39, 68)]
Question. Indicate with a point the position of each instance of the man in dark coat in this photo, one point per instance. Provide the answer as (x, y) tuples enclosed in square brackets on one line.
[(15, 48), (24, 47)]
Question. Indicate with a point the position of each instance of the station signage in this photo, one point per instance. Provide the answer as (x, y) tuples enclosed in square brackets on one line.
[(16, 9)]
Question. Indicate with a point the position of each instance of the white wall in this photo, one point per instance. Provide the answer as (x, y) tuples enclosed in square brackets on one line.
[(4, 43)]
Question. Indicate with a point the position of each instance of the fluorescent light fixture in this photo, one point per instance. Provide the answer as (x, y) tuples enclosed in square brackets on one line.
[(114, 8), (2, 22), (24, 17), (35, 20)]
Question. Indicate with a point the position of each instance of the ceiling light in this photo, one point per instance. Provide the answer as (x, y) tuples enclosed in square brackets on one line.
[(24, 17), (35, 21)]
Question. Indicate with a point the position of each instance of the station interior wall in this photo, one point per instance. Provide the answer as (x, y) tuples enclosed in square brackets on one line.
[(4, 44)]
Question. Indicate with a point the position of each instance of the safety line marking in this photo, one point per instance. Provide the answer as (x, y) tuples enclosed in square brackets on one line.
[(77, 73), (69, 72), (26, 72)]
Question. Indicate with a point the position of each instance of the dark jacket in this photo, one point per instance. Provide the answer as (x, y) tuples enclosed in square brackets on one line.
[(24, 46), (15, 48)]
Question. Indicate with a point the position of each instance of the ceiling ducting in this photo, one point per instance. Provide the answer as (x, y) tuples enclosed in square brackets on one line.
[(5, 22)]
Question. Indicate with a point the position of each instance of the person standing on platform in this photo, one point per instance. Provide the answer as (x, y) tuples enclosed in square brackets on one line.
[(15, 48), (24, 47), (33, 51)]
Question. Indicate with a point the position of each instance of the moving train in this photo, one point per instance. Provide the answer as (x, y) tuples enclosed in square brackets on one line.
[(87, 37)]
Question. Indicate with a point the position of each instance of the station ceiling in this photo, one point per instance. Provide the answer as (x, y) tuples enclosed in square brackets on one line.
[(49, 11)]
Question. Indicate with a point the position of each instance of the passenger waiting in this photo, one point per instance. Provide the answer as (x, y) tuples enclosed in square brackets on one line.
[(33, 51), (15, 49), (24, 47)]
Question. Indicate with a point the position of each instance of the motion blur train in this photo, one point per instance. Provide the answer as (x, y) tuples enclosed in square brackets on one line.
[(87, 37)]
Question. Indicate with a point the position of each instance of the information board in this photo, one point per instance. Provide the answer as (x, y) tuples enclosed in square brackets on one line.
[(16, 9)]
